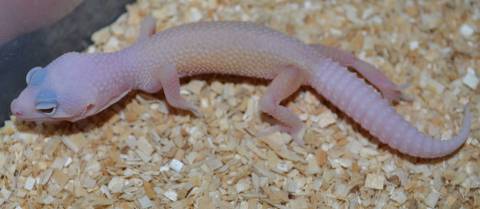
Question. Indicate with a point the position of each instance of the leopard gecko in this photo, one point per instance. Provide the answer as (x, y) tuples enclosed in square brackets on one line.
[(78, 85)]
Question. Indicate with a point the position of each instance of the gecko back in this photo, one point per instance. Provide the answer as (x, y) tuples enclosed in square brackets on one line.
[(238, 48)]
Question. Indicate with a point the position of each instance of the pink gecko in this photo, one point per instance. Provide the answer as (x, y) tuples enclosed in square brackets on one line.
[(75, 86)]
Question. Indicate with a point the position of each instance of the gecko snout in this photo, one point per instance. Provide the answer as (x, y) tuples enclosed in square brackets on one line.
[(15, 108)]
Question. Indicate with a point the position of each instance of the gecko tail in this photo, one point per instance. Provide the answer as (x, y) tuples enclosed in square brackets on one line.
[(366, 106), (464, 132), (440, 148)]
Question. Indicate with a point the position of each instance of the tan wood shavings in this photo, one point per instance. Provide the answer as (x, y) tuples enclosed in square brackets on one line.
[(375, 181), (116, 184), (75, 142), (278, 143), (145, 202), (143, 154)]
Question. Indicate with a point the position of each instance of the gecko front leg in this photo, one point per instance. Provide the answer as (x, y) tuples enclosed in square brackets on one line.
[(167, 76), (170, 82), (147, 28), (282, 86)]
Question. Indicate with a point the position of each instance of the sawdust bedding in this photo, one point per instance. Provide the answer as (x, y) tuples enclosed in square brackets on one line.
[(143, 154)]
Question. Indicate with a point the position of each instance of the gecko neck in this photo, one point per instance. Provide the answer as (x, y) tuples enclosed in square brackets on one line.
[(140, 69), (111, 76), (116, 64)]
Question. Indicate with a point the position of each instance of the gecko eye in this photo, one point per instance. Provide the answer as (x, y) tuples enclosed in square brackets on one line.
[(46, 102), (46, 108)]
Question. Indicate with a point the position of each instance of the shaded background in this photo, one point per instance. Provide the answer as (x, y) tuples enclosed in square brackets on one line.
[(40, 47)]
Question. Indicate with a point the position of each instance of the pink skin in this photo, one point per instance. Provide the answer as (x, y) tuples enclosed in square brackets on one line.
[(22, 16), (85, 84), (390, 91)]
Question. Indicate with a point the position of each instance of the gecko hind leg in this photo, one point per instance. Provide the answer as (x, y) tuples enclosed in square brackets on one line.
[(170, 82), (389, 90), (282, 86)]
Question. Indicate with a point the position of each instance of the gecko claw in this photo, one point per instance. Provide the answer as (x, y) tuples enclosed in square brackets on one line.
[(197, 113)]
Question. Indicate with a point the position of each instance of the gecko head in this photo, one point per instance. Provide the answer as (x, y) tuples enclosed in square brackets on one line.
[(58, 92)]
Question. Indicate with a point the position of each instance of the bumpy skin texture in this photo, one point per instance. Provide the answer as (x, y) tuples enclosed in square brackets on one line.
[(76, 86)]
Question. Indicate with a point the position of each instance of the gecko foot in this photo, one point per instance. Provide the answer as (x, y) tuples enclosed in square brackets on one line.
[(184, 104)]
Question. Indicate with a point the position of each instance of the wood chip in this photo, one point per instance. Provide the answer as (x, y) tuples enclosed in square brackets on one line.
[(399, 196), (374, 181), (75, 142), (29, 183), (326, 119), (4, 195), (471, 79), (432, 199), (176, 165), (116, 185), (171, 195), (145, 202)]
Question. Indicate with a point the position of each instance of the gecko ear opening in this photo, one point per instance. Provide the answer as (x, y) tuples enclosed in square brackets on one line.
[(88, 109)]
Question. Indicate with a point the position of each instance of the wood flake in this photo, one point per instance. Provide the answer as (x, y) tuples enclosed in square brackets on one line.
[(374, 181)]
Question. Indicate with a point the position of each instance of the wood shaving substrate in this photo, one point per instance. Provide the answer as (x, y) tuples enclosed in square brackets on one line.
[(143, 154)]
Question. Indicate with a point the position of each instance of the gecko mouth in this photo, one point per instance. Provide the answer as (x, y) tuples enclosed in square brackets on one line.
[(41, 117), (83, 115)]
